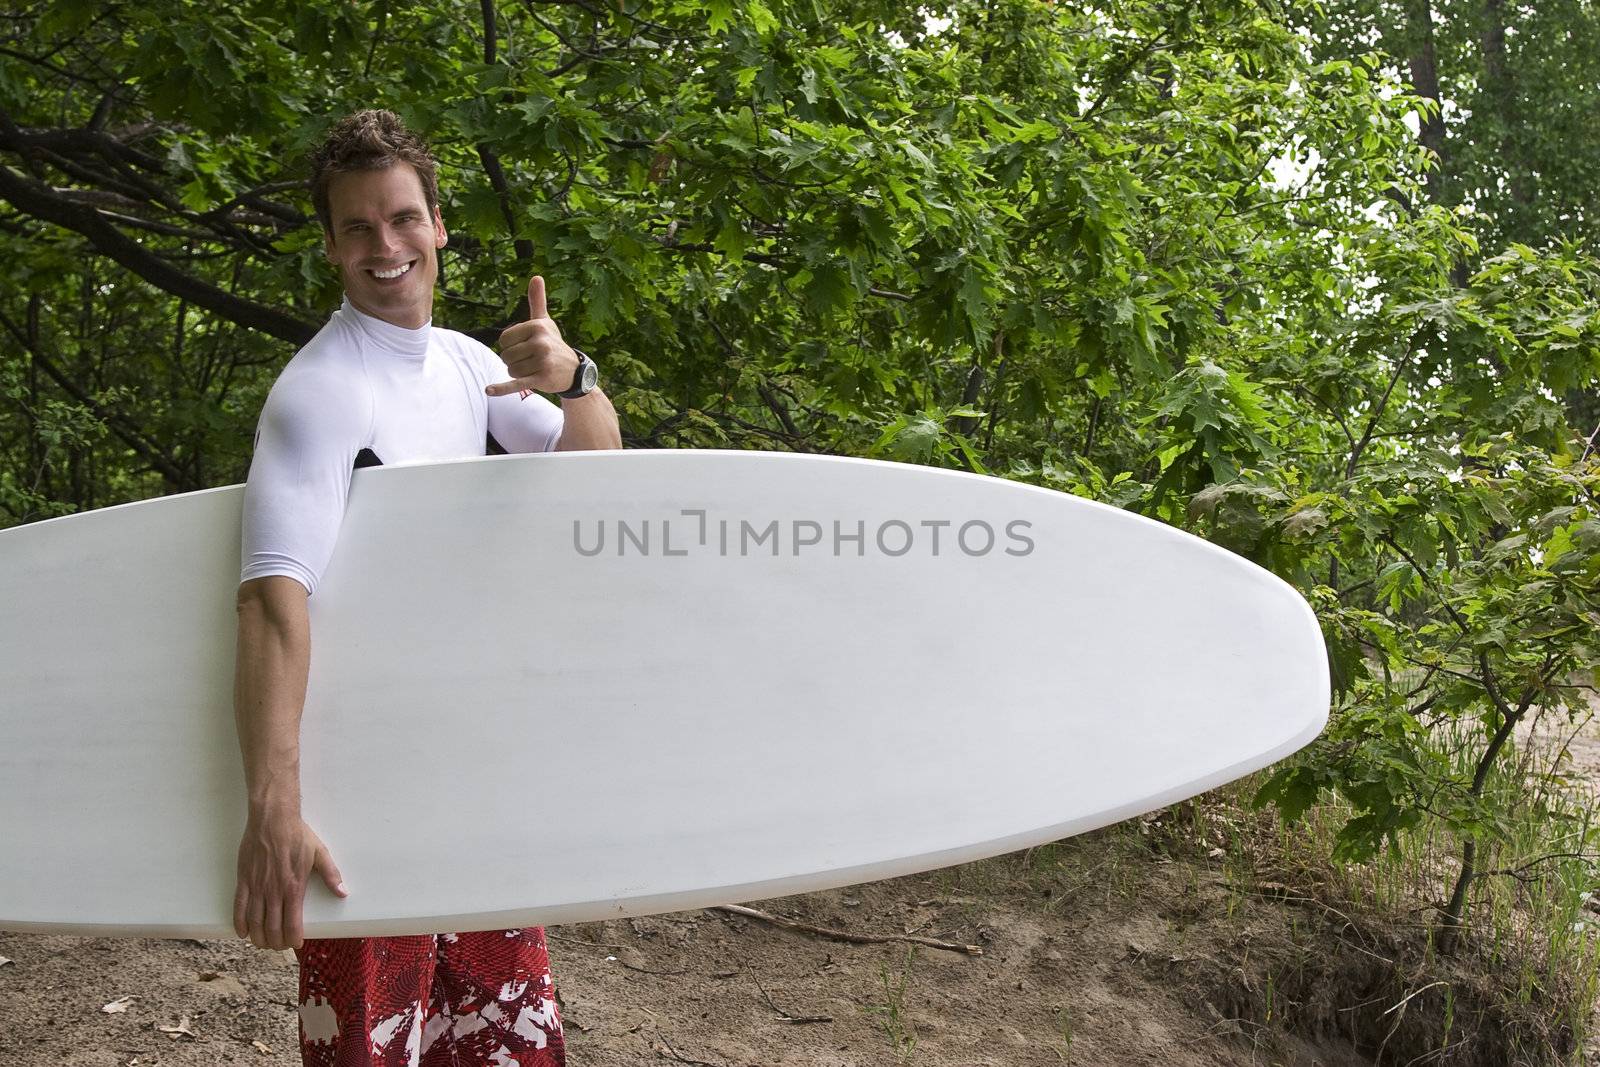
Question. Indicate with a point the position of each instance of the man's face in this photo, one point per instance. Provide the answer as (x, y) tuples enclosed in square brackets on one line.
[(381, 224)]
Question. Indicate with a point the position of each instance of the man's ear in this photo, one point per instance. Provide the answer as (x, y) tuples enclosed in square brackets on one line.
[(327, 246), (440, 238)]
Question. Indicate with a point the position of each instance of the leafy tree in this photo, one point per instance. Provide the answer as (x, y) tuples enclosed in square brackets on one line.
[(1514, 116), (1515, 119)]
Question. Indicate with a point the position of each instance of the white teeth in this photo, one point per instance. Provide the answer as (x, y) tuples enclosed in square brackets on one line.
[(391, 273)]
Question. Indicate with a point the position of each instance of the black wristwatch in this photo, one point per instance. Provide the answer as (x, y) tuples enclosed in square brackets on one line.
[(584, 380)]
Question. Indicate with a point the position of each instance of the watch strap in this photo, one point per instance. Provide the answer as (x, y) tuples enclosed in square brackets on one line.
[(576, 389)]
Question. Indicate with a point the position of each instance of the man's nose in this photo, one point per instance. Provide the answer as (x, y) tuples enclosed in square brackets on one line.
[(387, 239)]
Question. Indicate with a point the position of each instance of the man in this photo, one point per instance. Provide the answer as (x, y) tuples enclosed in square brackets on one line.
[(380, 384)]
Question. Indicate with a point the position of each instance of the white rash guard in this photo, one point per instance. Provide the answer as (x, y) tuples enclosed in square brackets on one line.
[(364, 388)]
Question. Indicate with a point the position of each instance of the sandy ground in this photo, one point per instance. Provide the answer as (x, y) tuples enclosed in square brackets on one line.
[(1084, 954), (1577, 743)]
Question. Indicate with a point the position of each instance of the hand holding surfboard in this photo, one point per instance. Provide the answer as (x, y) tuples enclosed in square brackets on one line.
[(277, 856), (534, 353)]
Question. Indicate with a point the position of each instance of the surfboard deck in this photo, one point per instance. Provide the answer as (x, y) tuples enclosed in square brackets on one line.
[(574, 686)]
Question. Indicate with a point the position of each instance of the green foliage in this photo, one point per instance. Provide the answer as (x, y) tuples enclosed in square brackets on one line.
[(1520, 112), (1481, 608)]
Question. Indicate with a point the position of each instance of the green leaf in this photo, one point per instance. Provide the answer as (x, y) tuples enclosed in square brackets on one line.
[(719, 16), (910, 439), (1559, 544), (828, 289), (761, 18), (1292, 789)]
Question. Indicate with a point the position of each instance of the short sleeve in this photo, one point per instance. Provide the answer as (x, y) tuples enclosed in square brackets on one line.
[(525, 424), (312, 427), (521, 423)]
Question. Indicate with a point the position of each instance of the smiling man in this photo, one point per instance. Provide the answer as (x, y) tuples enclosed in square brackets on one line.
[(380, 384)]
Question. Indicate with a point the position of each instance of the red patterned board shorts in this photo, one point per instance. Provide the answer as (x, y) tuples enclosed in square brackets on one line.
[(446, 1000)]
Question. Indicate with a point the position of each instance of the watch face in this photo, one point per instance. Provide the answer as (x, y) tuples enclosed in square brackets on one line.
[(591, 374)]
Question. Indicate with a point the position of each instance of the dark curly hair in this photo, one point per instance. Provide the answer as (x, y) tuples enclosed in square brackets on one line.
[(369, 140)]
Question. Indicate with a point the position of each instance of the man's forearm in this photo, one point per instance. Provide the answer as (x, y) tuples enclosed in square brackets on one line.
[(589, 423), (274, 657)]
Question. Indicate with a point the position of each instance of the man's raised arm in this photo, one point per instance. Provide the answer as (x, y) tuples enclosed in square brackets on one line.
[(537, 358), (589, 423), (278, 851)]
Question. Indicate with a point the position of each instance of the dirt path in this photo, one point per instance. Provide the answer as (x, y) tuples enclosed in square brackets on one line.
[(1075, 969)]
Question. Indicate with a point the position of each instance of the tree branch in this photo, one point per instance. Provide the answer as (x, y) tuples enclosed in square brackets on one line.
[(1377, 412), (1427, 579), (491, 163), (116, 423), (36, 199), (845, 935)]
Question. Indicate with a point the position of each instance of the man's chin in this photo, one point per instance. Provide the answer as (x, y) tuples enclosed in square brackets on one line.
[(395, 308)]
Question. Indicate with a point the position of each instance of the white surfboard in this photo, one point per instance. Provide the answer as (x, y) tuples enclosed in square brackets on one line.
[(574, 686)]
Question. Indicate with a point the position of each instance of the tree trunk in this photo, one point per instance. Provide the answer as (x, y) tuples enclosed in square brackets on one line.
[(1500, 87), (36, 468), (1425, 80), (1454, 920)]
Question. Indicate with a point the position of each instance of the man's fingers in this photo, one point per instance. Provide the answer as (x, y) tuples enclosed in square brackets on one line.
[(255, 925), (329, 870), (515, 334), (241, 901), (515, 386), (272, 925), (529, 366), (536, 308), (293, 930)]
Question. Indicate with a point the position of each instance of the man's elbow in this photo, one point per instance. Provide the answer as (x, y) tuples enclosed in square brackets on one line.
[(276, 600), (589, 440), (593, 443)]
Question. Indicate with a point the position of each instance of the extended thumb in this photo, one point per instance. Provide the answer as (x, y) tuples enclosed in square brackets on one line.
[(536, 306), (325, 866)]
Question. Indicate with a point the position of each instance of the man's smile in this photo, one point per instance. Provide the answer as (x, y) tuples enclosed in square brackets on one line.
[(390, 275)]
